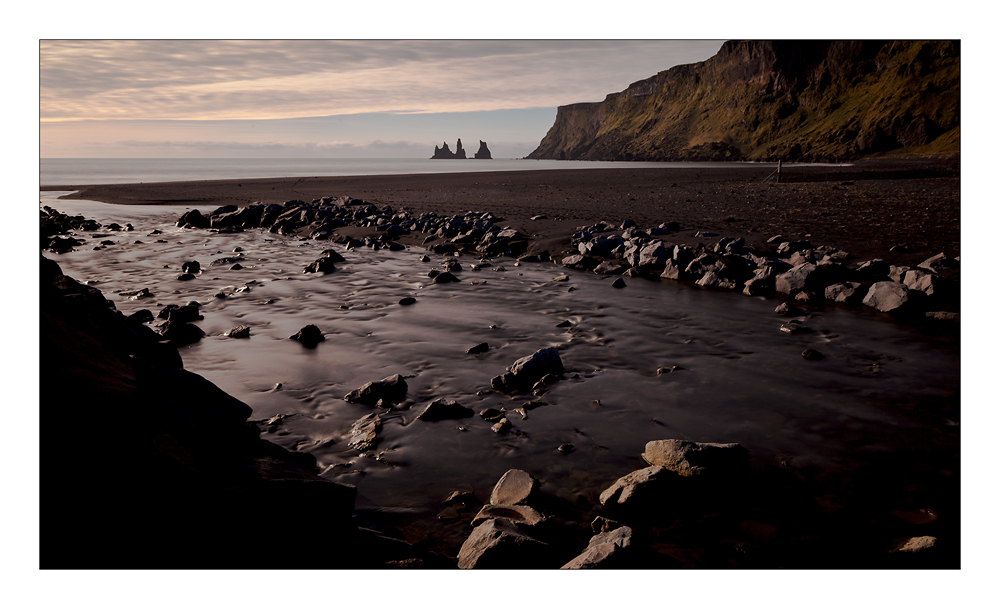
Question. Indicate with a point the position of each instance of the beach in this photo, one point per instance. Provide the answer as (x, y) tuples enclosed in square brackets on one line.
[(840, 421), (865, 208)]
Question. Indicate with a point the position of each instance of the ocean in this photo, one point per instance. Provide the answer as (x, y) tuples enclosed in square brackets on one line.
[(53, 172)]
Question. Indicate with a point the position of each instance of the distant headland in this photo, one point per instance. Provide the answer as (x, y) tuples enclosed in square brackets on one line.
[(445, 153)]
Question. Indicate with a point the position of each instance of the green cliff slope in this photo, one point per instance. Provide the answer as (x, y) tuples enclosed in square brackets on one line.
[(791, 100)]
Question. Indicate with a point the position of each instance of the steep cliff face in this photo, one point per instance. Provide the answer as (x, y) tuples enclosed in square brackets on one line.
[(759, 100)]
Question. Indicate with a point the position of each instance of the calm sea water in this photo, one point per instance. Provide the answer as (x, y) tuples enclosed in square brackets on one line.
[(127, 171)]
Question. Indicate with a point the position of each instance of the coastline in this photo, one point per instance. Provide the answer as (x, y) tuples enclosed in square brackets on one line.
[(865, 208)]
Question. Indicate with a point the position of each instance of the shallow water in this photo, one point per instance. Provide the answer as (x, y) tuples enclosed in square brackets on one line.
[(883, 401)]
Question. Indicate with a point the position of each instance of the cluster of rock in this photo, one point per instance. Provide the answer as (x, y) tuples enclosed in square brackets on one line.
[(795, 268), (444, 152), (54, 226), (511, 531)]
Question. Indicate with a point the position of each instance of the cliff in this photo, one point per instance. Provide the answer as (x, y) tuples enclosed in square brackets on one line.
[(760, 100)]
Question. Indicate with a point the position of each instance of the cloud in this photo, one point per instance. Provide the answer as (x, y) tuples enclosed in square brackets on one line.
[(268, 79)]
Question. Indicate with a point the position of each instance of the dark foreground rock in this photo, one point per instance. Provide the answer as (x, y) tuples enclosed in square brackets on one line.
[(169, 472), (528, 370), (388, 391)]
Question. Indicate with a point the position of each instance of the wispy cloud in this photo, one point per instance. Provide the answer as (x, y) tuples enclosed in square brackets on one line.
[(267, 79)]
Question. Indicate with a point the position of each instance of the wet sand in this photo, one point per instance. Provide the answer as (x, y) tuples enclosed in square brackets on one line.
[(865, 208)]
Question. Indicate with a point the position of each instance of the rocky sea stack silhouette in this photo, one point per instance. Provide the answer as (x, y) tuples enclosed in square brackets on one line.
[(444, 152)]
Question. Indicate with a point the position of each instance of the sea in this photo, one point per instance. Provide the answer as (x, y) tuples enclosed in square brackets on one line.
[(78, 171)]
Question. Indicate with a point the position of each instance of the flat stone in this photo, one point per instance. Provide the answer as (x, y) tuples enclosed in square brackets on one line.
[(522, 515), (364, 432), (917, 544), (513, 488)]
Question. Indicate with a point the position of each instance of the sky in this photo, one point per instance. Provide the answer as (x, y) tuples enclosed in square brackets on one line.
[(327, 98)]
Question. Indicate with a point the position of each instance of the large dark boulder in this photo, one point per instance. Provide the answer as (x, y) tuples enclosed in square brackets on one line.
[(528, 370), (390, 390)]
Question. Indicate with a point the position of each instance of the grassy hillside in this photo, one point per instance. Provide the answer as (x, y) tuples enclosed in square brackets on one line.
[(811, 100)]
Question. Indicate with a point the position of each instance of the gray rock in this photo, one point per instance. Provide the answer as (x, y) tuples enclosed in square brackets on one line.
[(441, 409), (513, 488), (888, 297), (654, 255), (672, 270), (939, 262), (762, 282), (931, 284), (795, 279), (713, 280), (696, 458), (390, 390), (500, 544), (579, 261), (639, 485), (605, 550), (848, 293), (610, 267)]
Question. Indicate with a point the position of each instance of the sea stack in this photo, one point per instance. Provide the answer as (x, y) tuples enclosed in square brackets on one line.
[(484, 151)]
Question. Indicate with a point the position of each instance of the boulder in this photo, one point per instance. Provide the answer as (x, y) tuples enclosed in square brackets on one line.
[(239, 332), (889, 297), (191, 266), (712, 280), (480, 348), (939, 262), (696, 458), (500, 544), (441, 409), (390, 390), (654, 256), (795, 279), (931, 284), (445, 277), (672, 270), (605, 550), (322, 265), (513, 488), (619, 283), (181, 333), (762, 282)]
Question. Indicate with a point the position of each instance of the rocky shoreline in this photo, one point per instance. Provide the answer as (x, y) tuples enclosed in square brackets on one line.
[(198, 438)]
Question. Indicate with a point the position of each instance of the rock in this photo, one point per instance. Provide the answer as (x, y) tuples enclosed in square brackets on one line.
[(500, 544), (762, 282), (931, 284), (181, 333), (654, 256), (529, 370), (407, 300), (390, 390), (672, 270), (514, 487), (812, 354), (309, 336), (848, 293), (639, 486), (889, 297), (460, 497), (798, 278), (501, 426), (441, 409), (364, 432), (445, 277), (916, 544), (483, 152), (180, 313), (480, 348), (610, 267), (193, 219), (566, 448), (491, 414), (939, 262), (239, 332), (787, 309), (522, 515), (579, 261), (712, 280), (696, 458), (192, 266), (185, 277), (873, 270), (605, 550), (619, 283), (322, 265)]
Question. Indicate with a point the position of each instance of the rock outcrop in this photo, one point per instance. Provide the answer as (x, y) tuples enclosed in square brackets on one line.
[(483, 152), (767, 100)]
